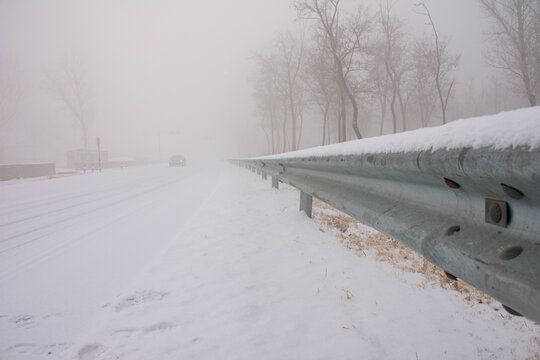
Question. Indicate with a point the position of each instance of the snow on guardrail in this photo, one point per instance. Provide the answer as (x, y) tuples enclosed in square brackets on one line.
[(504, 130)]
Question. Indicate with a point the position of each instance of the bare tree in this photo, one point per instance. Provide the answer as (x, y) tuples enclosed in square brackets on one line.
[(322, 88), (515, 41), (292, 53), (440, 62), (381, 87), (269, 97), (392, 52), (343, 41), (11, 96), (281, 72), (423, 95), (72, 88), (267, 102)]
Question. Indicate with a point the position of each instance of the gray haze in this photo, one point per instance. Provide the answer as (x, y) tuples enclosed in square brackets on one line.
[(165, 76), (169, 73)]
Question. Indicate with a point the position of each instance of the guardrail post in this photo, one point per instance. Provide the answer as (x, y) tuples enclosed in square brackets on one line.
[(306, 203), (264, 175), (275, 182)]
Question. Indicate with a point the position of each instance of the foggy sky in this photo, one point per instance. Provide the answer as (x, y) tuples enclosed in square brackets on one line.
[(167, 76)]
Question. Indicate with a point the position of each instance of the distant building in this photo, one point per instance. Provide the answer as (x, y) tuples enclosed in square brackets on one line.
[(85, 158)]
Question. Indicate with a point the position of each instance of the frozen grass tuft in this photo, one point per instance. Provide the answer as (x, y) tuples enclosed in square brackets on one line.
[(365, 241)]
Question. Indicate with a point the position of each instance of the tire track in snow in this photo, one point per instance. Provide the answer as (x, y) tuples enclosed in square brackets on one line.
[(107, 204), (23, 206), (51, 251), (47, 203)]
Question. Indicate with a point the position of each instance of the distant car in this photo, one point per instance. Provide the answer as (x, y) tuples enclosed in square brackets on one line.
[(177, 160)]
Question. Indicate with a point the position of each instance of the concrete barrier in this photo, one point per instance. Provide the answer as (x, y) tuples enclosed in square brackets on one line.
[(15, 171)]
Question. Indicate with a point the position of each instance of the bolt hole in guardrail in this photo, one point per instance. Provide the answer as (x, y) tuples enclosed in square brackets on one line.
[(452, 230), (451, 184), (511, 311), (510, 253), (450, 276), (512, 192)]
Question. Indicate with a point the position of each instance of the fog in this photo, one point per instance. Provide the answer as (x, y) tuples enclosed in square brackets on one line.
[(163, 76)]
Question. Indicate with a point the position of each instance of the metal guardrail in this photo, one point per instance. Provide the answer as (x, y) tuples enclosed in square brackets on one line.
[(473, 212)]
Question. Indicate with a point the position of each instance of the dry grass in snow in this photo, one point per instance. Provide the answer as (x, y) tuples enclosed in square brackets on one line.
[(367, 241)]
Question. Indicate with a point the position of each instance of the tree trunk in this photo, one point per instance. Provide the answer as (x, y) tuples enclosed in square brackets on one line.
[(350, 96), (341, 116), (403, 110), (343, 120), (383, 116), (523, 57), (393, 110), (441, 99), (325, 120), (355, 113), (284, 127), (273, 120), (293, 121), (300, 132)]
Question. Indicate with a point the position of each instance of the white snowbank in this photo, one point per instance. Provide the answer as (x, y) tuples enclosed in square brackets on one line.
[(507, 129)]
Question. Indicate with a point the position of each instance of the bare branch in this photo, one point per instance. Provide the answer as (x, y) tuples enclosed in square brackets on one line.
[(515, 42), (69, 85), (440, 61)]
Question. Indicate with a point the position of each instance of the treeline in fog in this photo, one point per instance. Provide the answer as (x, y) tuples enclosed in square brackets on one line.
[(354, 73)]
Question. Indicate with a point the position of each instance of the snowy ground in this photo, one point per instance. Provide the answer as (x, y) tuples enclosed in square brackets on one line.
[(211, 263)]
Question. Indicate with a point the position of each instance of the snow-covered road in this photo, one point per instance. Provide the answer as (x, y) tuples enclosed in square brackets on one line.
[(67, 245), (211, 263)]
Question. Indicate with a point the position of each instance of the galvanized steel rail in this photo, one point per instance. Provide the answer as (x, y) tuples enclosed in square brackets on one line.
[(473, 212)]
